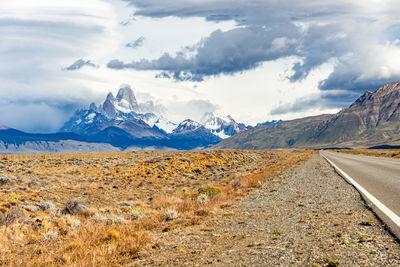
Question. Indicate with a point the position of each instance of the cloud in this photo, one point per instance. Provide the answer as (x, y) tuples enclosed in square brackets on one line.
[(38, 37), (176, 109), (222, 52), (36, 116), (79, 64), (322, 100), (137, 43), (355, 36)]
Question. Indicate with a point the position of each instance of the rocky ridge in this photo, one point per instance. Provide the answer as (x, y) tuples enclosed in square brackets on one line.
[(372, 120)]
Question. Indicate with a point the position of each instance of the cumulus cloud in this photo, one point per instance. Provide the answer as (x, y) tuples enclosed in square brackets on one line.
[(79, 64), (222, 52), (359, 37), (137, 43)]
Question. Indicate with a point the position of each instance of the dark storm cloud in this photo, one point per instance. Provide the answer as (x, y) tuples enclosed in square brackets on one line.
[(228, 52), (327, 99), (316, 32), (81, 63)]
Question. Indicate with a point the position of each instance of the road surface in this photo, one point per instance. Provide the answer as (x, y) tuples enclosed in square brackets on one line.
[(379, 176)]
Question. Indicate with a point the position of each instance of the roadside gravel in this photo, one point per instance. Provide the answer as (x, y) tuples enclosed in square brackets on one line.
[(307, 216)]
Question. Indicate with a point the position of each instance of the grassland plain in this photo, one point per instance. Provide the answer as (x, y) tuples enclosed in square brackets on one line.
[(110, 209), (306, 216)]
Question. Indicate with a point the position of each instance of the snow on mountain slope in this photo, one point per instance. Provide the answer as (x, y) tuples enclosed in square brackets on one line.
[(121, 121), (113, 111), (223, 127), (187, 126)]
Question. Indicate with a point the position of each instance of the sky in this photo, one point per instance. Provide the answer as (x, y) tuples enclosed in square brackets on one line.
[(255, 60)]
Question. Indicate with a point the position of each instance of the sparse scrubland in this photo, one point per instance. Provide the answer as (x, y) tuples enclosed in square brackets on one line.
[(110, 209), (387, 153)]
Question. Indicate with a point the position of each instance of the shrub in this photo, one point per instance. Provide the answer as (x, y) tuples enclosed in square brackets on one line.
[(50, 235), (75, 224), (201, 199), (112, 235), (74, 208), (11, 216), (46, 206), (136, 214), (331, 262), (209, 191), (171, 214), (237, 184), (110, 219), (4, 180)]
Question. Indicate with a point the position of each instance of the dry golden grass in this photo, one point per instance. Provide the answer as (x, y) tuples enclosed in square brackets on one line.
[(373, 152), (127, 198)]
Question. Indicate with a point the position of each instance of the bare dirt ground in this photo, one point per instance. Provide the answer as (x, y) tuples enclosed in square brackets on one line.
[(307, 216)]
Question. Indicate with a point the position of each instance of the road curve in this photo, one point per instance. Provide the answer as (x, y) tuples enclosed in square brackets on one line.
[(379, 176)]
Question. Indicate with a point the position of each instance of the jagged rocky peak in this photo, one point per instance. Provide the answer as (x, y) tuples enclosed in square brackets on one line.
[(108, 106), (229, 117), (126, 93), (389, 91), (110, 97), (124, 103), (366, 96), (93, 107), (211, 117), (221, 126), (187, 125), (388, 88)]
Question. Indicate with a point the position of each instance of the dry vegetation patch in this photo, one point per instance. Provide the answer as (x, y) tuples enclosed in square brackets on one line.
[(373, 152), (106, 209)]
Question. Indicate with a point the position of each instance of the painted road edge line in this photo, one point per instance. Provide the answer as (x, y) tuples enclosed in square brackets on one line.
[(394, 223)]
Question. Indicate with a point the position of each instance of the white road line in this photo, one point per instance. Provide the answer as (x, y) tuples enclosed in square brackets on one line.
[(394, 223)]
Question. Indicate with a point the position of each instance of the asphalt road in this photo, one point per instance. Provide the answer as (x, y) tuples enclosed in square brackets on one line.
[(379, 176)]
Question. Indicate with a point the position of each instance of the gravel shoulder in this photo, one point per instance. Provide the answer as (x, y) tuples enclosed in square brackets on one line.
[(307, 216)]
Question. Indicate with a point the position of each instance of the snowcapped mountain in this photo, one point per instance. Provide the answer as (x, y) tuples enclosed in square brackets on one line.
[(194, 132), (122, 107), (121, 122), (222, 127), (187, 126), (116, 111)]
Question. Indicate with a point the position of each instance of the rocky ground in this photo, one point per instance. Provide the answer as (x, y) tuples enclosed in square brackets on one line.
[(307, 216)]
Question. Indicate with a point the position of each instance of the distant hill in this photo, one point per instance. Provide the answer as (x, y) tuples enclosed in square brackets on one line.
[(372, 120), (15, 141)]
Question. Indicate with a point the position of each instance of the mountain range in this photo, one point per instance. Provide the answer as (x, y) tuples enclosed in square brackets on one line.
[(119, 121), (372, 120), (120, 124)]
